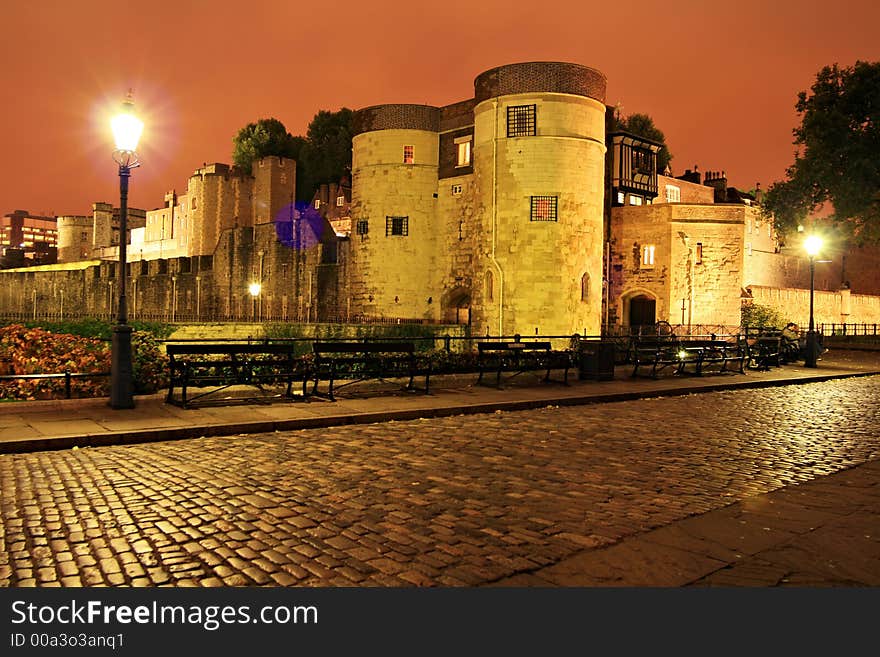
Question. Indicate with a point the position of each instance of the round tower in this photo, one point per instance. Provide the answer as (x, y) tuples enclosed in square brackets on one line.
[(539, 163), (393, 237)]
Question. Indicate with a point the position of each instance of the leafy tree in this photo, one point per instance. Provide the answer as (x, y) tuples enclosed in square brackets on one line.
[(836, 160), (322, 156), (642, 125), (326, 152), (263, 138)]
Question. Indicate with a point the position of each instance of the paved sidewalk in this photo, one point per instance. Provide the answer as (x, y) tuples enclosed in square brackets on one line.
[(62, 424)]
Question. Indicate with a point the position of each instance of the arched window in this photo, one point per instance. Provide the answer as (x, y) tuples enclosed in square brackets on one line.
[(585, 287), (490, 286)]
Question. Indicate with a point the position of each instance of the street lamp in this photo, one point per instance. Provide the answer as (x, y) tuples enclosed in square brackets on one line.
[(127, 129), (812, 245), (254, 289)]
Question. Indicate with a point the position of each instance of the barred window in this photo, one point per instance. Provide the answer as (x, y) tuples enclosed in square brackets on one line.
[(362, 227), (544, 208), (521, 120), (408, 154), (396, 226), (648, 255)]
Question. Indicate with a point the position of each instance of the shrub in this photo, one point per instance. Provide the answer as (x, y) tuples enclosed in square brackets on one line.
[(754, 315), (27, 350)]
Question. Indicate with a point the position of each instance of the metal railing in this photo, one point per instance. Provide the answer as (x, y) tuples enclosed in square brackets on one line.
[(849, 329), (66, 375)]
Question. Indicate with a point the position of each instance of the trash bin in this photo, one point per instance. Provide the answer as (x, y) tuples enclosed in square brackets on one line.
[(596, 360)]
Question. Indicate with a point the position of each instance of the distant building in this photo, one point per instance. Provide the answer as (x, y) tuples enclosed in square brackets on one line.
[(27, 239)]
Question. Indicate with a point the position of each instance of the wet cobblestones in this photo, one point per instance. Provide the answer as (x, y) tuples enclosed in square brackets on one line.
[(454, 501)]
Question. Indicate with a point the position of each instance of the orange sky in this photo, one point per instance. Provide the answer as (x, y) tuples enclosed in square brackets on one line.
[(720, 80)]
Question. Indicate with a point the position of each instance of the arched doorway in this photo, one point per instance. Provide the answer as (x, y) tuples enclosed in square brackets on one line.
[(457, 306), (642, 311)]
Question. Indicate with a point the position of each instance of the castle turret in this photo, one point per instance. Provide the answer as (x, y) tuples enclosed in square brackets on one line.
[(394, 184), (539, 161)]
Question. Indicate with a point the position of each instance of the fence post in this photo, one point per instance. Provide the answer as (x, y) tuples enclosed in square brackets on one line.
[(447, 343), (67, 384)]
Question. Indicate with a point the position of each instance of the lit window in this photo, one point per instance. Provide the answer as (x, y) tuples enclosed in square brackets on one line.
[(408, 155), (543, 208), (340, 201), (635, 200), (698, 256), (362, 227), (673, 194), (521, 120), (648, 255), (456, 190), (317, 204), (397, 226), (621, 198), (464, 153)]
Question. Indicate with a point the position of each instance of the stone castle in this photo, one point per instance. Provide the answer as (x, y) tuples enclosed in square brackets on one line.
[(519, 210)]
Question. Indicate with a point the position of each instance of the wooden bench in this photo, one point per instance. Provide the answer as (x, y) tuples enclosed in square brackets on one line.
[(706, 354), (657, 354), (222, 365), (516, 358), (360, 361), (764, 352)]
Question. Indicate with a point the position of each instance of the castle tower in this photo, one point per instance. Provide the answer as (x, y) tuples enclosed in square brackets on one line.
[(394, 185), (74, 238), (539, 158), (274, 187)]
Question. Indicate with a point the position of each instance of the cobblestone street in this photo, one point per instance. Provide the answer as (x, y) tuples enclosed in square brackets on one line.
[(458, 501)]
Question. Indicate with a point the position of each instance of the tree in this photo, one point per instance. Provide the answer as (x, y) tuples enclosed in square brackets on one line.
[(326, 153), (642, 125), (261, 139), (837, 159)]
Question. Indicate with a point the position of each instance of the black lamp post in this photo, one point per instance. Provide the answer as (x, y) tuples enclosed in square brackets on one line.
[(127, 129), (812, 244)]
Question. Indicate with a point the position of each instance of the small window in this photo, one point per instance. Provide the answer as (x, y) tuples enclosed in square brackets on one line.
[(456, 190), (490, 286), (648, 255), (698, 256), (585, 287), (635, 200), (145, 268), (464, 154), (84, 236), (362, 227), (283, 178), (521, 120), (397, 226), (206, 262), (673, 194), (163, 266), (317, 204), (340, 201), (621, 198), (408, 154), (193, 204), (544, 208), (111, 271)]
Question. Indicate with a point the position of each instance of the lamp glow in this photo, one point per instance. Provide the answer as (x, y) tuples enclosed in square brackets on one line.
[(254, 289), (813, 244), (127, 128)]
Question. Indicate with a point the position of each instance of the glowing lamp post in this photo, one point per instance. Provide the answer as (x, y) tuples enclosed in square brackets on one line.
[(127, 129), (812, 245), (254, 289)]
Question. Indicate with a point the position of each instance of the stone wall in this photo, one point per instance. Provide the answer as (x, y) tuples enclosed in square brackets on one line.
[(841, 307)]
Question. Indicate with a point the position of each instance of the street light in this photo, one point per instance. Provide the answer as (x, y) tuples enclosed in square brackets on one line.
[(812, 245), (254, 289), (127, 129)]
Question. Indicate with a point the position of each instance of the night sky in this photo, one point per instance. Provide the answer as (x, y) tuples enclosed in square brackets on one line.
[(720, 79)]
